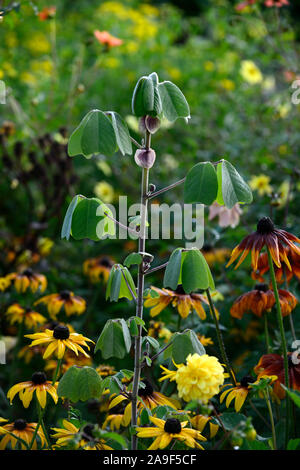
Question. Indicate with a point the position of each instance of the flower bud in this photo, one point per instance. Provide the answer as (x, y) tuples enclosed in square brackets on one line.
[(149, 123), (145, 158)]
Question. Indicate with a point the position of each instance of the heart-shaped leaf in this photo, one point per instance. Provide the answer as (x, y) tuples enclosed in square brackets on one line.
[(79, 384), (95, 134), (201, 184), (234, 188), (174, 103)]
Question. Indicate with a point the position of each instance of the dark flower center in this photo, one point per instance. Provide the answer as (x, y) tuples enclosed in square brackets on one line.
[(265, 225), (261, 287), (105, 262), (147, 390), (172, 426), (38, 378), (245, 381), (61, 332), (88, 432), (28, 272), (20, 424), (28, 309), (180, 290), (65, 294)]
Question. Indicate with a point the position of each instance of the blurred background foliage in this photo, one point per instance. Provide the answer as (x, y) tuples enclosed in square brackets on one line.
[(235, 67)]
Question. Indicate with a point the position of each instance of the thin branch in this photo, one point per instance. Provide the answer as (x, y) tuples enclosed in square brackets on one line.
[(157, 268), (130, 290), (136, 142), (163, 190), (122, 225)]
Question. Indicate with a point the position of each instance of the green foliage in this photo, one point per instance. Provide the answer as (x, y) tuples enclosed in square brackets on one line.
[(183, 344), (118, 282), (86, 218), (115, 340), (79, 384), (293, 394), (133, 258), (153, 98), (232, 187), (188, 268), (95, 134), (201, 184)]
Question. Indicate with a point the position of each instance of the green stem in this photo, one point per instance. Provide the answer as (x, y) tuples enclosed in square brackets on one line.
[(283, 340), (56, 373), (41, 415), (140, 294), (267, 338), (267, 398), (220, 338)]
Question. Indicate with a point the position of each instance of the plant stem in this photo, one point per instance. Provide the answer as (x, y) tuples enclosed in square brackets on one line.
[(266, 332), (163, 190), (140, 294), (283, 340), (56, 373), (220, 338), (267, 398), (42, 412)]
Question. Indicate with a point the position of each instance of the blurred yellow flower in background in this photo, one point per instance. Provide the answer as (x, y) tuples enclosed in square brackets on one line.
[(250, 72), (261, 183), (104, 191), (227, 84), (38, 44)]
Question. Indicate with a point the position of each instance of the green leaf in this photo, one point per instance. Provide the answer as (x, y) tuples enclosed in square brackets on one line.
[(66, 228), (234, 188), (133, 258), (293, 444), (201, 184), (114, 437), (219, 199), (152, 341), (89, 220), (184, 344), (121, 133), (74, 144), (174, 104), (195, 272), (231, 420), (173, 269), (79, 384), (115, 340), (143, 101), (95, 134), (293, 394)]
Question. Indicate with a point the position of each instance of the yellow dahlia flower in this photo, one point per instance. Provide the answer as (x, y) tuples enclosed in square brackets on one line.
[(199, 379)]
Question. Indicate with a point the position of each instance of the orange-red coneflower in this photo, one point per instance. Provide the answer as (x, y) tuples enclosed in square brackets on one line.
[(273, 364), (261, 299), (282, 272), (266, 235)]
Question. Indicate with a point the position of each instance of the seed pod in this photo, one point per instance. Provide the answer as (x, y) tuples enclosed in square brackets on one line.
[(145, 158)]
